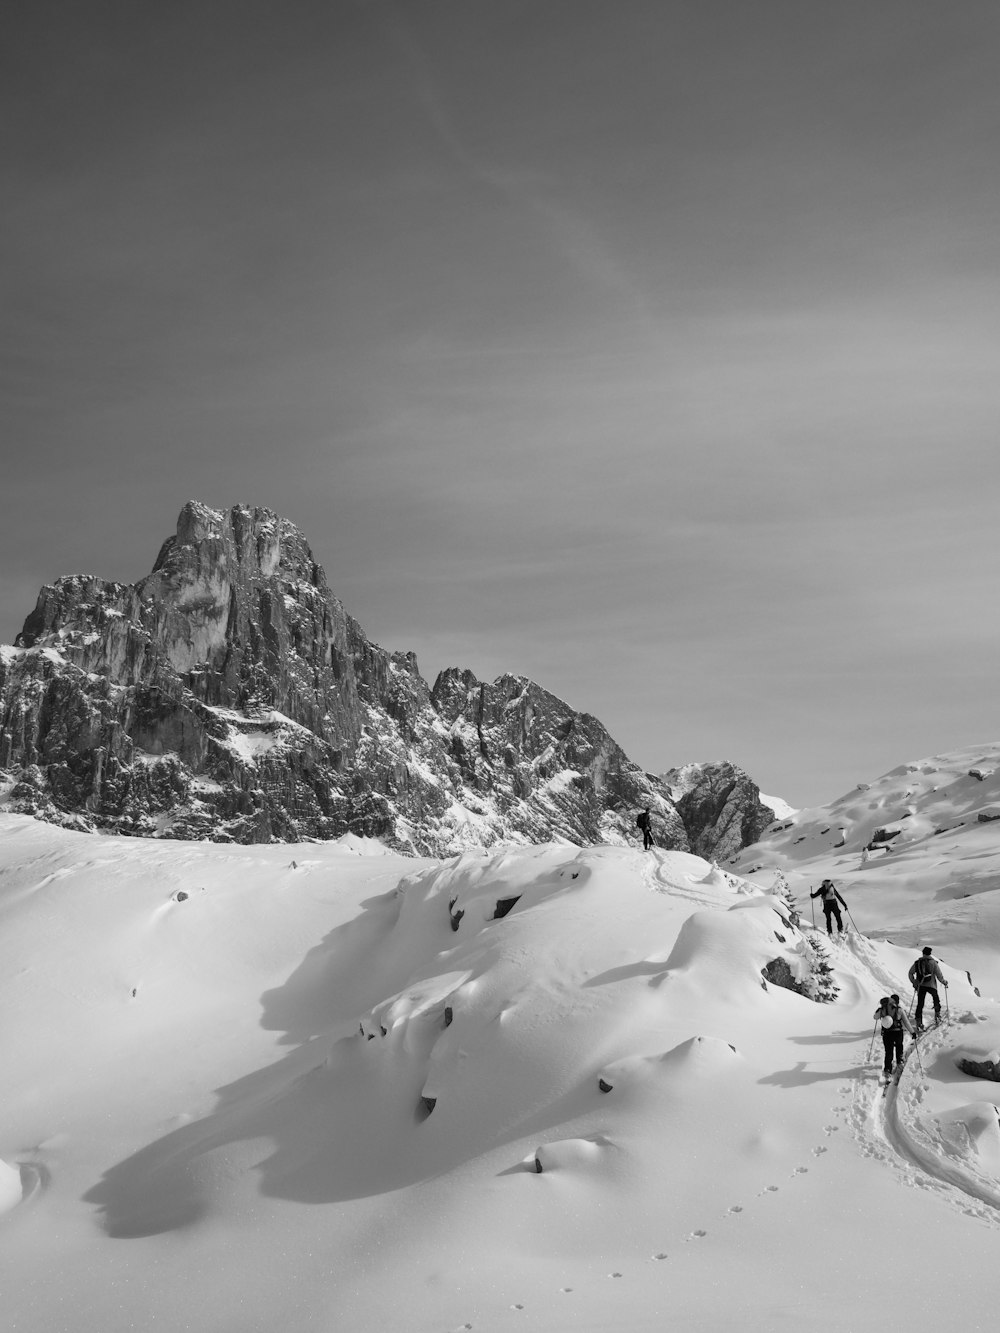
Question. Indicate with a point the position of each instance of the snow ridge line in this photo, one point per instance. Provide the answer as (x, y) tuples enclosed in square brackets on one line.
[(862, 950)]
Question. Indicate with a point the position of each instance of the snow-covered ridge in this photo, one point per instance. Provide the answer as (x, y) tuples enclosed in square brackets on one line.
[(929, 798), (782, 810)]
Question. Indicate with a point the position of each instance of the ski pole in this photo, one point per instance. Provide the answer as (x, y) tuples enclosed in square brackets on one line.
[(912, 998), (871, 1044), (812, 908), (851, 919), (916, 1052)]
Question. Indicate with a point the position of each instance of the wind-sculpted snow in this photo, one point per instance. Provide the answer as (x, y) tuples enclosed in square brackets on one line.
[(495, 1033), (543, 1087)]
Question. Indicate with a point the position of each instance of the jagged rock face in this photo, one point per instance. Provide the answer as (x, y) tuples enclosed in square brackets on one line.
[(720, 808), (236, 610), (229, 695), (514, 744)]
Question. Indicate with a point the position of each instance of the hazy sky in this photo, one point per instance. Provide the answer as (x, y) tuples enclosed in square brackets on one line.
[(647, 348)]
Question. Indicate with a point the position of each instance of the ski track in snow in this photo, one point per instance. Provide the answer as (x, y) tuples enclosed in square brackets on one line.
[(886, 1126), (658, 878), (888, 1131)]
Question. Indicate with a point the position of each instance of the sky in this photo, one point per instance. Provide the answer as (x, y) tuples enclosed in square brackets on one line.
[(647, 349)]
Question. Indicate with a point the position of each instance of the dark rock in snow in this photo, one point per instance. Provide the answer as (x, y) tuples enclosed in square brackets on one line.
[(981, 1069), (885, 835), (228, 695), (778, 973)]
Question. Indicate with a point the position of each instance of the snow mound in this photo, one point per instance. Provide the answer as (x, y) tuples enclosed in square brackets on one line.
[(353, 842), (700, 1056), (570, 1154), (969, 1133), (681, 1070), (328, 1065)]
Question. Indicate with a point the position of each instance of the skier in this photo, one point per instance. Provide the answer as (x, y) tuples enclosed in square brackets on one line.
[(647, 833), (924, 977), (831, 899), (893, 1023)]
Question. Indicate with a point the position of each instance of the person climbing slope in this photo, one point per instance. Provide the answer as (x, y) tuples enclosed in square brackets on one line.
[(832, 902), (924, 977), (647, 833), (893, 1023)]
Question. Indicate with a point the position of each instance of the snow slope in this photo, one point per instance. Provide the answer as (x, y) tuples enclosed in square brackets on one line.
[(543, 1088), (933, 874)]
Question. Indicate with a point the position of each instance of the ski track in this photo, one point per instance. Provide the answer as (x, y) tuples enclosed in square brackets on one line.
[(655, 878), (887, 1128)]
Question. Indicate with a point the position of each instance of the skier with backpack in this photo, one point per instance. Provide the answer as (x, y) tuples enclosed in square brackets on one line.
[(892, 1023), (924, 976), (832, 902), (642, 820)]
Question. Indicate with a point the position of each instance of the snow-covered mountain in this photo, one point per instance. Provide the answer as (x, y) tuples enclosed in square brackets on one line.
[(229, 695), (547, 1088), (932, 822)]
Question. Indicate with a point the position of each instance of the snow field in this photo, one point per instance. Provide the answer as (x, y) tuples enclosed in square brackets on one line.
[(328, 1099)]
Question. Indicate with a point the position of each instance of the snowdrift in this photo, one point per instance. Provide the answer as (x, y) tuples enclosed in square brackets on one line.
[(545, 1088)]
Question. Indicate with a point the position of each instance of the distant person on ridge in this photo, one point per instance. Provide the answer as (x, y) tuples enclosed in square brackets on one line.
[(647, 833), (893, 1023), (831, 899), (924, 977)]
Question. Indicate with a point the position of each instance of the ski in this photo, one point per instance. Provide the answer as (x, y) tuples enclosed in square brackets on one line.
[(892, 1081)]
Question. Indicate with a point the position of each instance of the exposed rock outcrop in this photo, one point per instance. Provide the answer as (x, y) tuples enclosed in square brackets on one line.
[(229, 695), (981, 1069), (720, 807)]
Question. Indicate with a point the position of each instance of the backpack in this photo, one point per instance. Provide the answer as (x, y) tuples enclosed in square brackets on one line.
[(925, 968), (642, 819)]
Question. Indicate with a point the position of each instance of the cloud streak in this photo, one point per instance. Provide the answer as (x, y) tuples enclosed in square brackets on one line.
[(574, 236)]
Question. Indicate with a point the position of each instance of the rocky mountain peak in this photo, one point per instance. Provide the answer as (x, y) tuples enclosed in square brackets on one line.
[(236, 611), (720, 806), (228, 694)]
